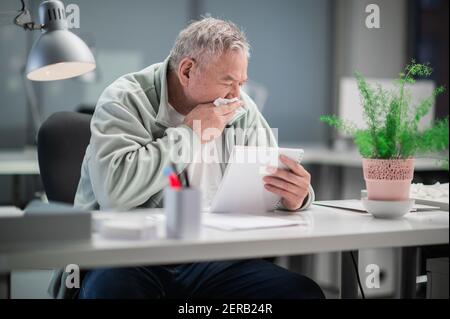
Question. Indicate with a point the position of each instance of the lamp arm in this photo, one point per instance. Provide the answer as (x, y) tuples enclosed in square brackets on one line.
[(24, 20), (30, 94)]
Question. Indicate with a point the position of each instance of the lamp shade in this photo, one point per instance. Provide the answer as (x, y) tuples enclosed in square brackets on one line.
[(58, 53)]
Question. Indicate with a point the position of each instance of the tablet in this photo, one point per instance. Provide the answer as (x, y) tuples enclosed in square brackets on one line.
[(242, 186)]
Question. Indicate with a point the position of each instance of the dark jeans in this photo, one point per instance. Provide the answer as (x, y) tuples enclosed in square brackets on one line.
[(256, 278)]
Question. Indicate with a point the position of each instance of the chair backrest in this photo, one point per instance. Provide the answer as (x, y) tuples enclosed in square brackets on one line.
[(62, 142)]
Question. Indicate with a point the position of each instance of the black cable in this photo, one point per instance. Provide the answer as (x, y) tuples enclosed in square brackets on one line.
[(23, 5), (355, 265), (24, 20)]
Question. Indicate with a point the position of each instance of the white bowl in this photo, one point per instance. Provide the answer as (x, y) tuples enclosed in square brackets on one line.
[(388, 209)]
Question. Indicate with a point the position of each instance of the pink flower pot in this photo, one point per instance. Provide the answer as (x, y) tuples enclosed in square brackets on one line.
[(388, 179)]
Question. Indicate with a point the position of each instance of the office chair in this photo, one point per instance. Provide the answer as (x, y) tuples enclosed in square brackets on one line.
[(62, 142)]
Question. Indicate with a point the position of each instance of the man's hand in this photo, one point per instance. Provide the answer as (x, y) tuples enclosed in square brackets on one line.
[(213, 119), (292, 184)]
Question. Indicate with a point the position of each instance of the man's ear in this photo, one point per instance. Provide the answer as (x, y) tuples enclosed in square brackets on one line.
[(185, 69)]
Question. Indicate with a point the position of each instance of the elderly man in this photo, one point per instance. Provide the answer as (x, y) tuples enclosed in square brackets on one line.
[(132, 129)]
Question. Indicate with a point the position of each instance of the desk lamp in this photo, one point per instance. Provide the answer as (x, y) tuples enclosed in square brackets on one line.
[(58, 53)]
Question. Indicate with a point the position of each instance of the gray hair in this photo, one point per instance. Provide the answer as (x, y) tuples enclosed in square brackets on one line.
[(207, 38)]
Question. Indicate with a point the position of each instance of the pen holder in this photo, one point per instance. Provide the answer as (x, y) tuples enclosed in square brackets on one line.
[(183, 213)]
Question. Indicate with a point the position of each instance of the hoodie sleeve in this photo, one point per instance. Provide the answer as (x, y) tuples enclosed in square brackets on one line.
[(127, 162)]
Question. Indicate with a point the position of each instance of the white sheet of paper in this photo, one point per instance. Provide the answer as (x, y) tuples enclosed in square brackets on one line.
[(242, 187), (356, 205), (228, 221)]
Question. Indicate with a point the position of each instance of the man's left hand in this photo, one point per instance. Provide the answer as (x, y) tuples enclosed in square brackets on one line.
[(291, 184)]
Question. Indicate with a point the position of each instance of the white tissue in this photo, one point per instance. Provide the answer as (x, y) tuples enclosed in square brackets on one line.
[(220, 101)]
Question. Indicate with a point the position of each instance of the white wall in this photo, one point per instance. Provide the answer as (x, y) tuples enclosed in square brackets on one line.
[(372, 52)]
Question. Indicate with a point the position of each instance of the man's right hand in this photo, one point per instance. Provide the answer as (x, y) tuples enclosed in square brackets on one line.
[(208, 121)]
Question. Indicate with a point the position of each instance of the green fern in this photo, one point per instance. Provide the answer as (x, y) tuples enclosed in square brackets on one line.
[(392, 124)]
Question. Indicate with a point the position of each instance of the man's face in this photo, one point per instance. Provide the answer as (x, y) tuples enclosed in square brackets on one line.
[(221, 77)]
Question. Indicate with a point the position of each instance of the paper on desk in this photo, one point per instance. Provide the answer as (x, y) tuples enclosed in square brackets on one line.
[(356, 205), (229, 221), (99, 217)]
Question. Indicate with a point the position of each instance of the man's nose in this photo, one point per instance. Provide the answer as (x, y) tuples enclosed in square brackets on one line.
[(235, 92)]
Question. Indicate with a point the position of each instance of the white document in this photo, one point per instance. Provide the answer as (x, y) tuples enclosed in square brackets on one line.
[(242, 188), (230, 221)]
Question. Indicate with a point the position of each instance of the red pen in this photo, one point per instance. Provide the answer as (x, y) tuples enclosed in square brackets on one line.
[(174, 181)]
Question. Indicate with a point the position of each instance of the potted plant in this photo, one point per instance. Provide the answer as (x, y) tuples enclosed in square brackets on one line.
[(392, 137)]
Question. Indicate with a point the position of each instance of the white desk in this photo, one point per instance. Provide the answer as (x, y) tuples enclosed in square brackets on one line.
[(17, 163), (321, 155), (327, 230)]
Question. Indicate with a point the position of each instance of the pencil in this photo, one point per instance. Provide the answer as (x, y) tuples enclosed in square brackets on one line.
[(186, 177)]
